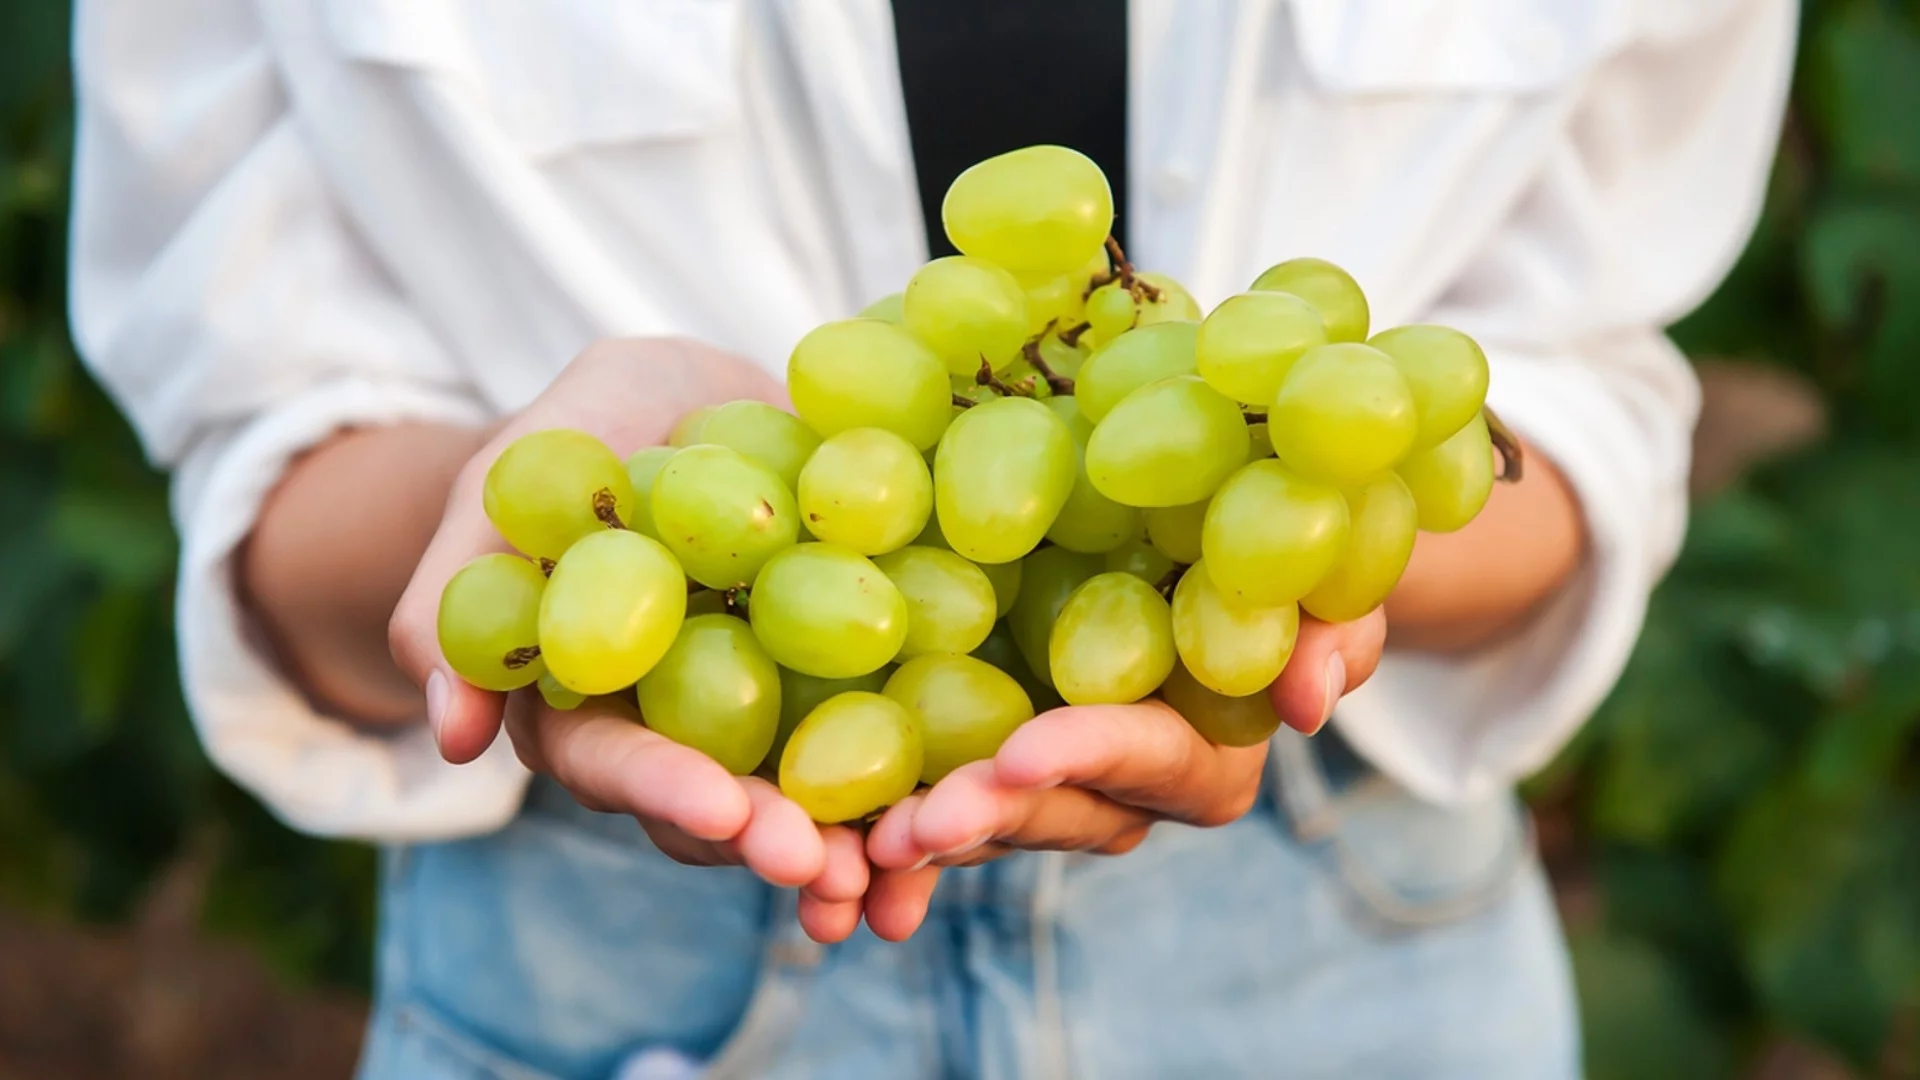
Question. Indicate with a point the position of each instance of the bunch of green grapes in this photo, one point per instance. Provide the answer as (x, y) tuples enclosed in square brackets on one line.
[(1034, 477)]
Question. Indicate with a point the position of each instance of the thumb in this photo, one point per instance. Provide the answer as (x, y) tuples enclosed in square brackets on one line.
[(1329, 661)]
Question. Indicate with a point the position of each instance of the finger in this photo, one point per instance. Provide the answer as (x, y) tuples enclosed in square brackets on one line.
[(846, 874), (896, 904), (1329, 661), (681, 848), (780, 842), (1142, 755), (829, 921), (970, 808), (890, 844), (609, 761)]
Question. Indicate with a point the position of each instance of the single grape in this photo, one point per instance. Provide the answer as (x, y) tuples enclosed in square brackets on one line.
[(1111, 311), (1259, 442), (827, 611), (766, 435), (1175, 531), (1002, 474), (612, 607), (1089, 521), (856, 753), (866, 489), (1131, 361), (1062, 358), (867, 373), (966, 707), (1005, 577), (967, 311), (1141, 559), (643, 467), (1059, 301), (1379, 543), (558, 697), (1167, 444), (1176, 304), (1451, 482), (1221, 720), (973, 390), (889, 308), (549, 488), (1232, 650), (1345, 414), (1047, 578), (490, 622), (717, 691), (722, 515), (1331, 290), (800, 694), (1067, 408), (1247, 346), (1026, 380), (950, 603), (1113, 642), (687, 432), (1037, 211), (1447, 373), (1270, 536), (1003, 652)]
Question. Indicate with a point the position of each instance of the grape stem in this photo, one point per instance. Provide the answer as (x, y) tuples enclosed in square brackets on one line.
[(1170, 579), (1123, 272), (1071, 335), (986, 378), (1253, 418), (606, 510), (546, 565), (1512, 462), (736, 599), (520, 657), (1031, 350), (963, 403)]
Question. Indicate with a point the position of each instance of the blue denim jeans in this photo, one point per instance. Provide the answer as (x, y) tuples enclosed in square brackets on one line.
[(1342, 929)]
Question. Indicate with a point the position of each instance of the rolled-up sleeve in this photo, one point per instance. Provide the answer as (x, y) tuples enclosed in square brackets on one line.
[(1638, 212), (222, 298)]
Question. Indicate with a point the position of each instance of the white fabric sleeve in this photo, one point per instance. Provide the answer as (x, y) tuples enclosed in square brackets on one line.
[(1636, 216), (226, 304)]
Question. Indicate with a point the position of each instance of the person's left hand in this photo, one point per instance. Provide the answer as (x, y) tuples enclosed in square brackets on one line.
[(1096, 778)]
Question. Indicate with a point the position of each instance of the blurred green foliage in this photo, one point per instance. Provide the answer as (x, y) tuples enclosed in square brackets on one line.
[(1749, 798)]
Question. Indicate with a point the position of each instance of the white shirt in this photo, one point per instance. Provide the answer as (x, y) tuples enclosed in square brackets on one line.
[(297, 215)]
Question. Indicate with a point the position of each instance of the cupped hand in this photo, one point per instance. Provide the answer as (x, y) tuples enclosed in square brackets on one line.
[(1097, 778)]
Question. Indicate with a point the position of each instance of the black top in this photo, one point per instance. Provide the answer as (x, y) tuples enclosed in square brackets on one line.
[(982, 77)]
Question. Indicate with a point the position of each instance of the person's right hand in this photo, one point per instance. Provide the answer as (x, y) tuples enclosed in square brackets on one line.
[(628, 393)]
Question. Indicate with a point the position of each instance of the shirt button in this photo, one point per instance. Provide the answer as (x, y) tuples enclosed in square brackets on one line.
[(1174, 181)]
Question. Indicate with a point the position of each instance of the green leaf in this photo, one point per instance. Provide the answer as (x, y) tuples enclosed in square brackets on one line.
[(124, 537), (1865, 73), (1863, 276), (1638, 1018)]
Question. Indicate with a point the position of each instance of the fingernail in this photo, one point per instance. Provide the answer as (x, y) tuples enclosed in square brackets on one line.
[(925, 861), (1336, 686), (436, 702), (954, 852)]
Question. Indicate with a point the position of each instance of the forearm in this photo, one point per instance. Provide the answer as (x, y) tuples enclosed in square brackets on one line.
[(332, 551), (1466, 588)]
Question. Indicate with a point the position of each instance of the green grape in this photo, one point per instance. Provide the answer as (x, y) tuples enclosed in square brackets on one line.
[(1141, 559), (550, 488), (889, 308), (1234, 651), (972, 389), (1037, 211), (950, 603), (1132, 360), (1175, 531), (800, 694), (1270, 536), (1447, 373), (1451, 482), (612, 607), (642, 469), (1003, 652), (1176, 304), (1089, 521), (1250, 342), (1167, 444), (1341, 303), (827, 611), (722, 515), (1059, 301), (866, 489), (1005, 577), (1259, 442), (717, 691), (867, 373), (1025, 379), (687, 432), (557, 697), (1047, 578), (490, 622), (1379, 543), (1062, 358), (1221, 720), (1067, 408), (1003, 472), (1345, 414), (1111, 311), (966, 707), (1113, 642), (766, 435), (967, 311), (856, 753)]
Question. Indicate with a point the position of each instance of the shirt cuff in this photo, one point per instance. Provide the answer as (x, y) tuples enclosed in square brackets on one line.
[(1455, 730), (315, 772)]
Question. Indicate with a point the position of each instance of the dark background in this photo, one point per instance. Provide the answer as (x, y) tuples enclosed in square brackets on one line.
[(1736, 837)]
